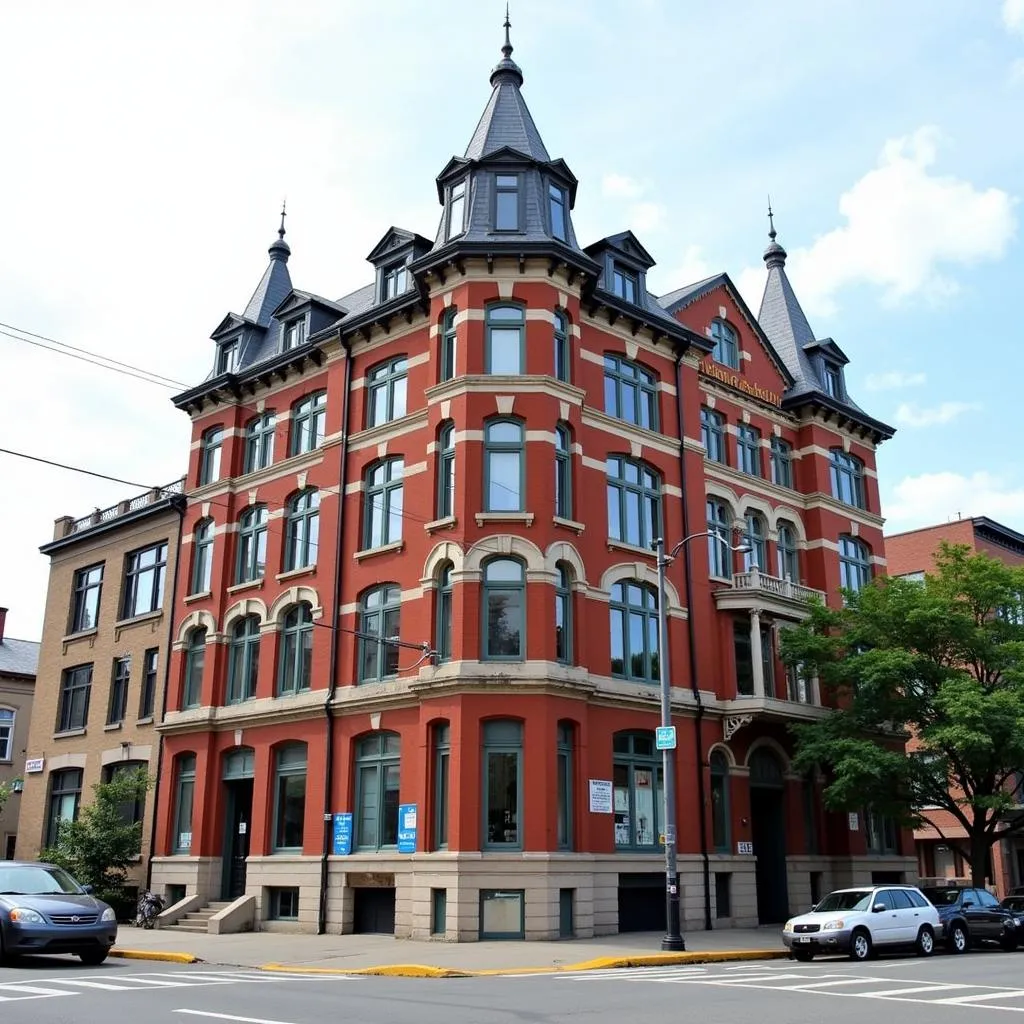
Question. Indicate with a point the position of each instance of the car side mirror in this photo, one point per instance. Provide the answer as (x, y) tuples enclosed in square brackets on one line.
[(879, 908), (968, 903), (87, 889)]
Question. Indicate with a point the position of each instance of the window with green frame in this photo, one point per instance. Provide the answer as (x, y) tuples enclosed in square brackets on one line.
[(296, 668), (210, 450), (252, 545), (504, 466), (184, 797), (446, 470), (380, 611), (564, 784), (377, 767), (202, 557), (720, 822), (562, 348), (259, 442), (563, 472), (289, 797), (637, 782), (727, 346), (505, 330), (634, 502), (563, 614), (446, 361), (309, 417), (243, 659), (503, 784), (504, 610), (387, 386), (195, 660), (634, 631), (630, 392), (302, 530), (443, 612), (442, 764), (385, 492)]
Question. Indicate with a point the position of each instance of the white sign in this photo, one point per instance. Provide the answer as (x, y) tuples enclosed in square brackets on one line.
[(745, 848), (34, 766), (409, 818), (854, 822), (600, 796), (184, 840), (665, 737)]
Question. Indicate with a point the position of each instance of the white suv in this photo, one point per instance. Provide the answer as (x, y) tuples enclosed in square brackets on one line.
[(858, 920)]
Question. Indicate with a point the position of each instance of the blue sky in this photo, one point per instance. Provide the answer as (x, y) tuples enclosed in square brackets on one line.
[(148, 152)]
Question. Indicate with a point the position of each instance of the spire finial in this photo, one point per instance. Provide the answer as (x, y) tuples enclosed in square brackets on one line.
[(507, 48), (280, 230), (774, 255), (507, 67), (280, 250), (771, 220)]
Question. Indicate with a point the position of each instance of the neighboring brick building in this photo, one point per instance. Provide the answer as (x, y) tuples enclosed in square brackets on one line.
[(18, 660), (473, 454), (911, 555), (103, 660)]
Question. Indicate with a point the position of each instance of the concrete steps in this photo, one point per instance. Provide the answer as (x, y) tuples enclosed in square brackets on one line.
[(198, 921)]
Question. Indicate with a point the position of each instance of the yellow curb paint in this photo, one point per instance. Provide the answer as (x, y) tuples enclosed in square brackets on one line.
[(603, 963), (149, 954)]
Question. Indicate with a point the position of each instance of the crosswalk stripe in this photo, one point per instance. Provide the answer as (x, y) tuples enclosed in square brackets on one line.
[(828, 984), (30, 990), (889, 992), (90, 984), (1016, 993)]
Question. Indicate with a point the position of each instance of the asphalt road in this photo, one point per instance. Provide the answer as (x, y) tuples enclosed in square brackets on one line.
[(970, 988)]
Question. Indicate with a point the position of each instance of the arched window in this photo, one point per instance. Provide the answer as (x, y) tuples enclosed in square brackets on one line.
[(259, 442), (296, 670), (506, 340), (854, 563), (448, 345), (184, 799), (195, 660), (634, 631), (443, 613), (503, 784), (377, 762), (562, 350), (379, 621), (385, 492), (386, 391), (289, 798), (252, 545), (727, 349), (847, 472), (630, 392), (202, 557), (6, 734), (719, 765), (244, 659), (788, 560), (504, 466), (302, 536), (211, 446), (634, 502), (309, 417), (637, 782), (563, 614), (504, 610), (719, 540), (563, 472), (446, 470), (754, 537)]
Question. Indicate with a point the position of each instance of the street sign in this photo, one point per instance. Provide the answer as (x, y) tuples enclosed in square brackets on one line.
[(665, 737), (342, 844), (407, 828)]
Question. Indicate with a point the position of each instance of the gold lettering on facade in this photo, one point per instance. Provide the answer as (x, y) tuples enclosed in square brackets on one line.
[(733, 380)]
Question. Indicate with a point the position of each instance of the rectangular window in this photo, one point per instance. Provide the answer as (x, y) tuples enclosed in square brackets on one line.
[(378, 806), (638, 804), (290, 798), (65, 796), (145, 572), (723, 894), (880, 833), (132, 810), (293, 334), (782, 462), (283, 903), (502, 914), (833, 378), (438, 911), (183, 803), (86, 608), (748, 450), (119, 690), (506, 202), (147, 699), (624, 284), (227, 357), (75, 688), (210, 452), (308, 423), (442, 760), (566, 913), (744, 658), (564, 787), (6, 735), (556, 205), (394, 282), (503, 751), (456, 210), (712, 434)]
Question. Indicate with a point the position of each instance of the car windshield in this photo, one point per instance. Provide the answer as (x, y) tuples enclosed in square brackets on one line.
[(941, 897), (852, 899), (36, 880)]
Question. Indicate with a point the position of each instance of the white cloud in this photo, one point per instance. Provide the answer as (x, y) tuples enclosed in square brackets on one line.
[(908, 415), (905, 228), (1017, 71), (641, 214), (620, 186), (691, 268), (937, 497), (1013, 15), (894, 380), (647, 216)]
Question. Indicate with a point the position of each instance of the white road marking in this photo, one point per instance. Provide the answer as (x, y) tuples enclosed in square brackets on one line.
[(840, 980), (228, 1016), (32, 992), (886, 993), (1016, 993)]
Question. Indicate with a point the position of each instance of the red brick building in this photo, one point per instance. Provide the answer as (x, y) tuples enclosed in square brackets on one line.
[(463, 466), (911, 555)]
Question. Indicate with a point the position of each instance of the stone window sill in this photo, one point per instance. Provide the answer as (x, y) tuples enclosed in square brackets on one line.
[(136, 619), (383, 549), (84, 634), (291, 574), (483, 518), (67, 734), (569, 524), (247, 585), (148, 720), (201, 596), (447, 523), (113, 726), (621, 545)]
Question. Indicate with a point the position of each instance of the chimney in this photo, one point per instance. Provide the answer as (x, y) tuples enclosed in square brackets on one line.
[(3, 620)]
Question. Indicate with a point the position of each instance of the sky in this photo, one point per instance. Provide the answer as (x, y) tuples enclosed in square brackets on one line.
[(148, 149)]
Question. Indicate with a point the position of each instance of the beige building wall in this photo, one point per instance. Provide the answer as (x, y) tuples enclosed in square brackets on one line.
[(107, 538)]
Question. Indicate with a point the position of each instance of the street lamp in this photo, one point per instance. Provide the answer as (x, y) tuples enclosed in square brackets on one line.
[(673, 939)]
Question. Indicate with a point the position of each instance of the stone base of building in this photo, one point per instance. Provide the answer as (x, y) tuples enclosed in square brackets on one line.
[(465, 897)]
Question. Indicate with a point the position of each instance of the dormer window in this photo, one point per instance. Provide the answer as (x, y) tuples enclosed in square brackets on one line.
[(727, 349), (832, 375), (395, 281), (624, 283), (456, 211), (293, 334), (556, 205), (506, 202), (227, 357)]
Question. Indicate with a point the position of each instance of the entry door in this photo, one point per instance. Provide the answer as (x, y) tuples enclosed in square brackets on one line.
[(236, 845), (768, 831)]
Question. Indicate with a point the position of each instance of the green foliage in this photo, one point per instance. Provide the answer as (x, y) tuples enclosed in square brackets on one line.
[(98, 847), (5, 793), (942, 660)]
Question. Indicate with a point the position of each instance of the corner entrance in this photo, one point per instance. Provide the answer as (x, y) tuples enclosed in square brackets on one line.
[(237, 781), (768, 832)]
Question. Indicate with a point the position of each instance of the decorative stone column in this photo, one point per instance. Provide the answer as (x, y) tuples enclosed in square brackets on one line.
[(756, 655)]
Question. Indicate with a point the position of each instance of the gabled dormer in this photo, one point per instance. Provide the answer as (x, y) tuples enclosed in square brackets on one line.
[(229, 336), (302, 315), (391, 257), (828, 360), (624, 264)]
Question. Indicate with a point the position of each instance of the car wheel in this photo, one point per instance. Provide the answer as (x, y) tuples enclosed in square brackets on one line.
[(958, 940), (925, 944), (860, 945), (93, 957), (805, 956), (1009, 943)]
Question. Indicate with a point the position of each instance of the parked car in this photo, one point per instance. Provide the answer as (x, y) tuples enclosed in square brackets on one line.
[(44, 910), (1015, 905), (972, 916), (860, 920)]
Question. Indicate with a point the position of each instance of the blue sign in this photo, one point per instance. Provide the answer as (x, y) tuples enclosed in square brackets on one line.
[(406, 828), (665, 737), (342, 834)]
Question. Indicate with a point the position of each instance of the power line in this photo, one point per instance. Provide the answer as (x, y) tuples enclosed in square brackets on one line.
[(77, 469)]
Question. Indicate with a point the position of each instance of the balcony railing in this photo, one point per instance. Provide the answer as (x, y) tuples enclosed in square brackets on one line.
[(104, 515), (774, 585)]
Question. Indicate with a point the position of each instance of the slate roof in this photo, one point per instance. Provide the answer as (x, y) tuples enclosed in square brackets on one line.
[(506, 123), (18, 657), (690, 291)]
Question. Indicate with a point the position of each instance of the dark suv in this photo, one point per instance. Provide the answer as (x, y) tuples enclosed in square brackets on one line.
[(972, 916)]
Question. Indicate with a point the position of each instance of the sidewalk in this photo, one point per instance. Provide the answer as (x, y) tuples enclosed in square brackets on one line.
[(387, 955)]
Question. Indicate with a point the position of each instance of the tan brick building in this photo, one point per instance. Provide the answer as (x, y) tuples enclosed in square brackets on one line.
[(18, 660), (103, 661)]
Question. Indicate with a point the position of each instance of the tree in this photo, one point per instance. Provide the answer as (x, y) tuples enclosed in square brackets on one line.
[(5, 792), (939, 661), (100, 844)]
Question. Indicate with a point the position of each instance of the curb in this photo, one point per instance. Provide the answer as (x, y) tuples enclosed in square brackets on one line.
[(603, 963), (150, 954)]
